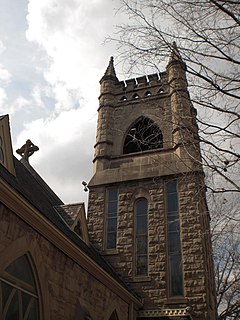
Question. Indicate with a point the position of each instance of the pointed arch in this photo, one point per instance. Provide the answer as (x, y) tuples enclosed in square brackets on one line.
[(148, 93), (27, 245), (135, 96), (20, 297), (81, 312), (143, 135), (124, 98), (114, 315), (113, 311), (161, 90)]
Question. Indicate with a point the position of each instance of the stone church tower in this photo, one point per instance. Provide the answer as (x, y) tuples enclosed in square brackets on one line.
[(147, 210)]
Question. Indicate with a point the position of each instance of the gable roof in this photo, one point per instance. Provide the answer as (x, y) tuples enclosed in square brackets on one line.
[(69, 212), (75, 217)]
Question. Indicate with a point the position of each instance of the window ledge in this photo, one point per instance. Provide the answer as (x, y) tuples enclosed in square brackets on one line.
[(109, 252), (176, 300), (141, 153), (141, 279)]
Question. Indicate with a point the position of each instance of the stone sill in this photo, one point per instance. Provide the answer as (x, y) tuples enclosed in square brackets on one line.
[(175, 300), (109, 252), (142, 153), (141, 279)]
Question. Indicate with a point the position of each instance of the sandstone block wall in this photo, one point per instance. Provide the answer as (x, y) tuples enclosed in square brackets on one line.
[(61, 281), (194, 223)]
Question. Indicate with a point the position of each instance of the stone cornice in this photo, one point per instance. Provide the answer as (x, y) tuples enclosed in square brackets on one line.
[(165, 312), (16, 203)]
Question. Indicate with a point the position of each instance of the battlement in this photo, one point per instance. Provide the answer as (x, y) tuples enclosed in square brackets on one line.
[(156, 85), (141, 82), (141, 87)]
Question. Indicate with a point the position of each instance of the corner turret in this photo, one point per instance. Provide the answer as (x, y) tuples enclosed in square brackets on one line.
[(108, 83), (104, 137), (185, 131), (110, 73), (176, 69)]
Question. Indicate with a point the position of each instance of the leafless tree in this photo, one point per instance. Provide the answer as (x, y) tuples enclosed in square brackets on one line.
[(207, 33), (226, 250)]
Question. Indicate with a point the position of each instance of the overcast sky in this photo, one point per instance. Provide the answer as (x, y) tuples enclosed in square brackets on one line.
[(52, 57)]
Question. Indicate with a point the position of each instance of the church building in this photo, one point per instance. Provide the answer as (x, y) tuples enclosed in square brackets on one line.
[(143, 250)]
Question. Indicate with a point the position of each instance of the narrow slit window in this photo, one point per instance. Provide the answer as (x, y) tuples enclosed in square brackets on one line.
[(141, 239), (111, 219), (175, 274)]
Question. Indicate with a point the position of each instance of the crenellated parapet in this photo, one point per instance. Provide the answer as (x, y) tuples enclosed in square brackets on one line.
[(145, 87)]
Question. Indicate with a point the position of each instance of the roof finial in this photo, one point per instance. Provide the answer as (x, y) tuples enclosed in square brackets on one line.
[(110, 71), (175, 54), (27, 150)]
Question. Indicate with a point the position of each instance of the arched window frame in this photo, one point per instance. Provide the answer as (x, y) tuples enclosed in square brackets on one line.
[(114, 315), (20, 290), (81, 312), (138, 134), (141, 248)]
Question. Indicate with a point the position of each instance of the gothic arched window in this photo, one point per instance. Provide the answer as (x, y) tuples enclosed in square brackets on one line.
[(143, 135), (19, 296), (114, 316), (141, 237), (81, 312)]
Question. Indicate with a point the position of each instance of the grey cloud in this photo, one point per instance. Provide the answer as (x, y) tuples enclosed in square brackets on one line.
[(67, 165)]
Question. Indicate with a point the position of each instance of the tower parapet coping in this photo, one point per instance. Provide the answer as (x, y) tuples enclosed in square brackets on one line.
[(144, 82), (147, 86)]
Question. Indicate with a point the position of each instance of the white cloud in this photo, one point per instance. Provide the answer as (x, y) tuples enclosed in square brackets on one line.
[(2, 47), (37, 96), (21, 103), (17, 105), (59, 129), (5, 75), (72, 32), (3, 100)]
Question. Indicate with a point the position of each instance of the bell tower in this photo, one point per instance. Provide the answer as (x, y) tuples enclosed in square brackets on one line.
[(147, 211)]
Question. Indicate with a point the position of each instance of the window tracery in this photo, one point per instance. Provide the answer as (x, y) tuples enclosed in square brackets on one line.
[(19, 296), (143, 135)]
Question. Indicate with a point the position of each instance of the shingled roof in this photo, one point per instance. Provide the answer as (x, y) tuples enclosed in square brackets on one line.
[(69, 212)]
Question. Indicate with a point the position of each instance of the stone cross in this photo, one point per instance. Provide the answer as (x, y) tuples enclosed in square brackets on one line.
[(27, 150)]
